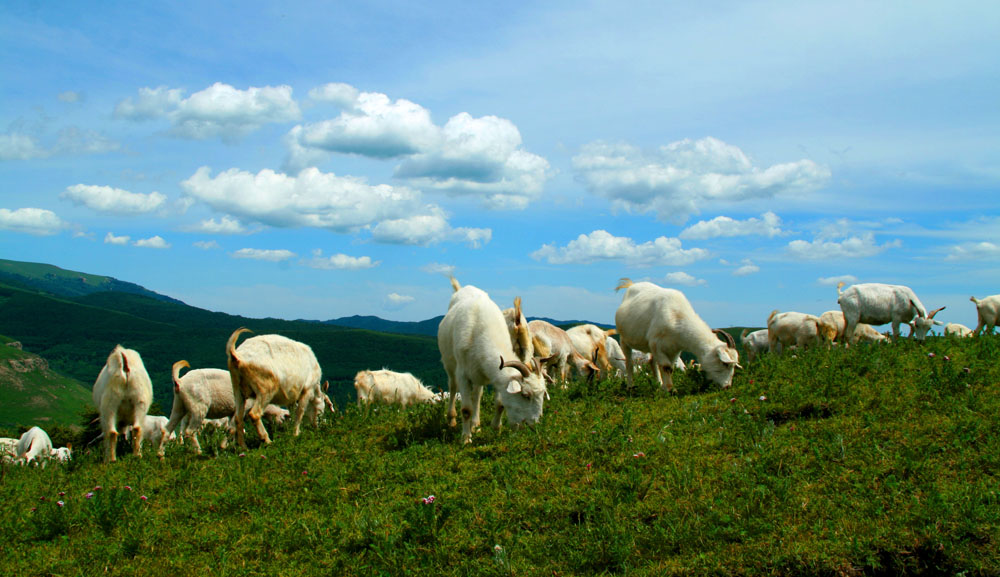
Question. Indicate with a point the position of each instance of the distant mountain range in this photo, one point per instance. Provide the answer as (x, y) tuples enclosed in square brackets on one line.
[(60, 282)]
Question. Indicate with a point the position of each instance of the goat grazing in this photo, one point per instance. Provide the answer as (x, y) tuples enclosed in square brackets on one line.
[(754, 344), (476, 350), (385, 386), (122, 394), (34, 445), (988, 311), (877, 304), (957, 330), (272, 368), (662, 322), (792, 329), (562, 353)]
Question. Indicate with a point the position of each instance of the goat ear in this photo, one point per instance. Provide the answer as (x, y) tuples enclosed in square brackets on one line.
[(514, 386)]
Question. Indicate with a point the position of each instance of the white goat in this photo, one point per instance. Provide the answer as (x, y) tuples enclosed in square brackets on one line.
[(122, 394), (754, 344), (390, 387), (832, 326), (868, 333), (792, 329), (475, 351), (34, 445), (662, 322), (877, 304), (520, 334), (562, 353), (616, 356), (957, 330), (63, 454), (589, 341), (199, 395), (273, 368), (154, 431), (988, 311)]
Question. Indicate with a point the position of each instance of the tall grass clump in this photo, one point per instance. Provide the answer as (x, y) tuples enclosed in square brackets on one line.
[(873, 460)]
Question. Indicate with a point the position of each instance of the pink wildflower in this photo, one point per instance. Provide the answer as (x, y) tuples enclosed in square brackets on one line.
[(62, 493), (142, 497), (428, 499), (60, 503), (89, 495), (638, 455), (930, 355), (127, 488), (762, 398)]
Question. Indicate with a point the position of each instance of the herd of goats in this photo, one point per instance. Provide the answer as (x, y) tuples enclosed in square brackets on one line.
[(480, 344)]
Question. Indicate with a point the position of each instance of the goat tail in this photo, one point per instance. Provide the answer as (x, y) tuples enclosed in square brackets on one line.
[(176, 373), (623, 283), (771, 316), (840, 285), (610, 332), (454, 284), (231, 344), (975, 300)]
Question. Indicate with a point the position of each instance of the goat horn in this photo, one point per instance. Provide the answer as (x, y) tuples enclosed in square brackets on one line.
[(521, 367), (729, 338), (934, 312)]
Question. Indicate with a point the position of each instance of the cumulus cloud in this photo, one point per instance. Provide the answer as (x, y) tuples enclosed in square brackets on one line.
[(684, 279), (835, 280), (152, 242), (113, 200), (117, 240), (676, 180), (18, 146), (769, 225), (974, 251), (471, 156), (340, 262), (325, 200), (423, 230), (206, 244), (264, 254), (34, 221), (310, 199), (600, 245), (217, 111), (395, 301), (225, 225), (862, 246), (747, 267)]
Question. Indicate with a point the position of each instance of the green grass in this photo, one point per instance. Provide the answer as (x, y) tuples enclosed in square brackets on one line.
[(30, 392), (877, 460)]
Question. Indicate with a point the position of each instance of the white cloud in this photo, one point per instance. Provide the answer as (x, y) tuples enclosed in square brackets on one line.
[(116, 240), (769, 225), (340, 262), (17, 146), (428, 229), (676, 180), (397, 301), (151, 103), (835, 280), (207, 244), (113, 200), (310, 199), (747, 267), (974, 251), (601, 245), (219, 110), (482, 157), (35, 221), (439, 268), (225, 225), (152, 242), (471, 156), (264, 254), (684, 279), (853, 247), (70, 140), (370, 125)]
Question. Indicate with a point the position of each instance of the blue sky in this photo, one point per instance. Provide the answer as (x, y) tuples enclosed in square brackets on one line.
[(319, 160)]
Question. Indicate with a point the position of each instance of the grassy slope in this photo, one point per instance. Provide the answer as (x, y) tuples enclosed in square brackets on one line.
[(32, 393), (876, 460)]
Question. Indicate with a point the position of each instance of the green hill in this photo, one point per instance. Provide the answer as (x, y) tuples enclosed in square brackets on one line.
[(31, 393), (60, 282), (76, 334)]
